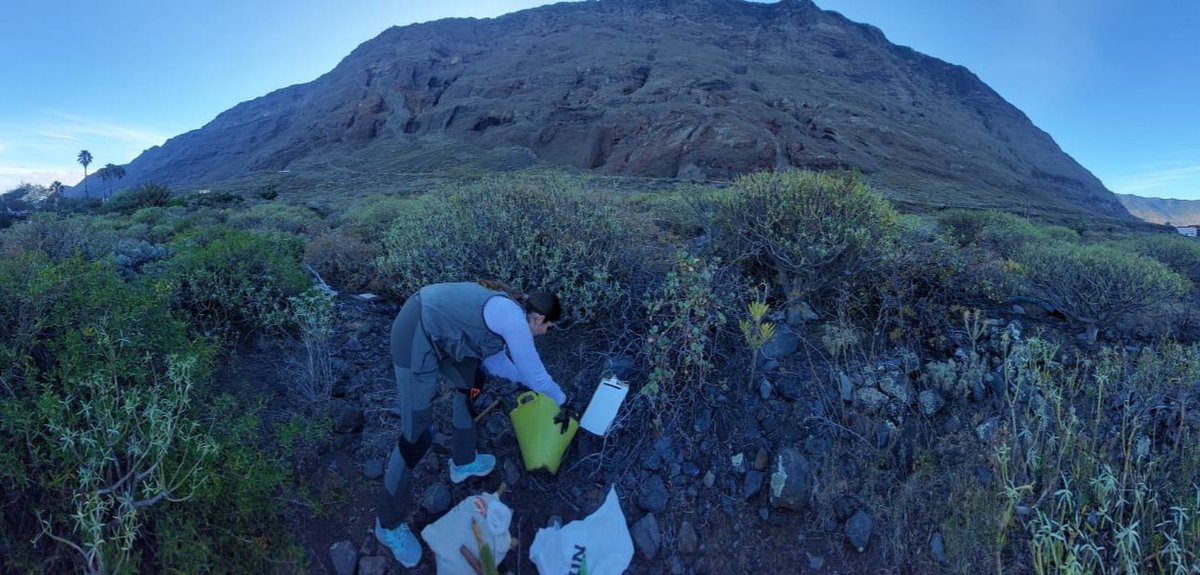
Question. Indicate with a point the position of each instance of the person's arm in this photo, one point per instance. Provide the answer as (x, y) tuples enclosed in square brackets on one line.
[(504, 317), (500, 366)]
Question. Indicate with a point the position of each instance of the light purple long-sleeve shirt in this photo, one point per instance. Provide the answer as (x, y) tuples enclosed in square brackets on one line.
[(521, 363)]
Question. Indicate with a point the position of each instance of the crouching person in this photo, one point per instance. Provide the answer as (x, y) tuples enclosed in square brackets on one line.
[(449, 331)]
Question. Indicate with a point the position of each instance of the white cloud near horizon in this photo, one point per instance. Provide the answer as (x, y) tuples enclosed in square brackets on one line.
[(13, 176), (73, 127), (44, 150), (1174, 177)]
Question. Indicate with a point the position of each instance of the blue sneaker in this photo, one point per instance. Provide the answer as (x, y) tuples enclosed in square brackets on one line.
[(401, 542), (483, 465)]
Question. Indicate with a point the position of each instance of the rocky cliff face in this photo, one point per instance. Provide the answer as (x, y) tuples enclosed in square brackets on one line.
[(1162, 210), (700, 89)]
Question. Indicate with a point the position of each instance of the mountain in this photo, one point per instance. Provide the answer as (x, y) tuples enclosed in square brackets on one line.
[(691, 89), (1162, 210)]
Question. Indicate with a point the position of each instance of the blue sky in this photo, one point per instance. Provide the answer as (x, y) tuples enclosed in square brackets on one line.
[(1114, 82)]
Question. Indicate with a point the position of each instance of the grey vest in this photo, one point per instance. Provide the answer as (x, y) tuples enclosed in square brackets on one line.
[(452, 316)]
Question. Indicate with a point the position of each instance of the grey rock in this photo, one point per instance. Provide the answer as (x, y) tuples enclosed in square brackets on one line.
[(815, 562), (869, 399), (436, 499), (931, 402), (373, 468), (764, 389), (688, 541), (845, 387), (791, 480), (647, 536), (652, 461), (374, 565), (768, 365), (344, 557), (762, 459), (858, 530), (753, 484), (676, 566), (986, 431), (654, 495), (764, 513), (978, 391), (710, 478), (937, 548), (690, 469), (897, 389), (789, 387), (784, 343), (953, 424), (1018, 309)]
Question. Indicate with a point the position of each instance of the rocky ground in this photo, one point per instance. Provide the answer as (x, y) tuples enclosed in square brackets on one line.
[(867, 463)]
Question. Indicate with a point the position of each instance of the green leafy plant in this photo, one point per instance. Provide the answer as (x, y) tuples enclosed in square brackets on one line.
[(134, 448), (685, 316), (1097, 285), (150, 194), (234, 283), (803, 230), (756, 332), (1102, 489), (549, 233)]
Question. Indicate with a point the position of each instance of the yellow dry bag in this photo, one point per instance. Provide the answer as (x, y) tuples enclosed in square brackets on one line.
[(542, 441)]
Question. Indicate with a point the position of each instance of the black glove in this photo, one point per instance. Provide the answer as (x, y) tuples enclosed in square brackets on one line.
[(564, 416)]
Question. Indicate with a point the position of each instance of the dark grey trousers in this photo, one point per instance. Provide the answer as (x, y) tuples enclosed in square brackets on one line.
[(417, 374)]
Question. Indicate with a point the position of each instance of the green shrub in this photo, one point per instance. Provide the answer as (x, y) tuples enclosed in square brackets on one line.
[(95, 423), (999, 232), (547, 233), (803, 230), (236, 522), (111, 439), (1181, 254), (685, 316), (147, 195), (210, 199), (234, 282), (149, 215), (275, 217), (1097, 285), (61, 238), (268, 191), (371, 219), (920, 281)]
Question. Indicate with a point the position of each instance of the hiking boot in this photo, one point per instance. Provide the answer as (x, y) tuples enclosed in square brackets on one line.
[(483, 465), (401, 542)]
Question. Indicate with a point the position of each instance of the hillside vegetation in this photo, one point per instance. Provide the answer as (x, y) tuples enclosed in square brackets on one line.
[(1025, 392)]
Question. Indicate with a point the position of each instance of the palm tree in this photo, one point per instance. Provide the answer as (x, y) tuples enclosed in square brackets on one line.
[(56, 189), (116, 172), (105, 175), (85, 158)]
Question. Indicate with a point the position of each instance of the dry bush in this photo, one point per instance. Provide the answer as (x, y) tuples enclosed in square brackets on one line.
[(345, 262)]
